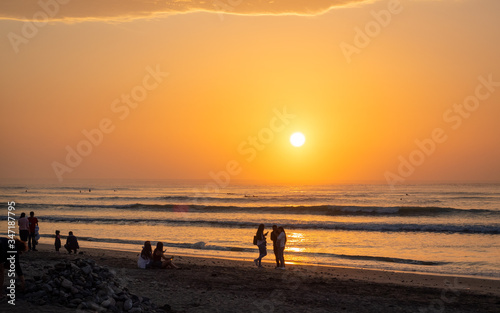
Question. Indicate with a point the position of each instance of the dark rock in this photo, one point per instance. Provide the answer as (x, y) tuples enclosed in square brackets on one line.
[(83, 306), (60, 267), (102, 292), (81, 284), (106, 303), (74, 267), (76, 301), (38, 294), (119, 305), (48, 288), (57, 282), (63, 294), (166, 308), (127, 305), (86, 269)]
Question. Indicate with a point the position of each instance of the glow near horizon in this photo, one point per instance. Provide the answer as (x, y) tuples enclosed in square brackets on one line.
[(226, 77)]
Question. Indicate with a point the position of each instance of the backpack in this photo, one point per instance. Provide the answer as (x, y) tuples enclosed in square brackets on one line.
[(254, 240)]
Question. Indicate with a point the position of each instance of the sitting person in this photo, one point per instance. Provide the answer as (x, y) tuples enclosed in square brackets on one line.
[(146, 256), (158, 255), (71, 243)]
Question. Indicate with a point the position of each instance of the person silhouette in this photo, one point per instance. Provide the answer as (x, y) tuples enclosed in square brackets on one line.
[(33, 221), (261, 243), (7, 253), (159, 255), (146, 256), (71, 243), (274, 238), (57, 241), (281, 242), (24, 227)]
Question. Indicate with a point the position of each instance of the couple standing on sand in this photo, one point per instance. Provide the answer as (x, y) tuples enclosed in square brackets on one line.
[(278, 236), (28, 230)]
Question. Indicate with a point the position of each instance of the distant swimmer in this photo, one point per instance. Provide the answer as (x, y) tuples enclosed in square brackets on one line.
[(90, 190)]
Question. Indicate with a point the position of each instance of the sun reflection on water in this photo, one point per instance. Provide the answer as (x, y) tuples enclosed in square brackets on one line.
[(295, 244)]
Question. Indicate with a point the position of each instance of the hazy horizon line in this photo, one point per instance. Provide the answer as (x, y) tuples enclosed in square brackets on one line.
[(5, 181)]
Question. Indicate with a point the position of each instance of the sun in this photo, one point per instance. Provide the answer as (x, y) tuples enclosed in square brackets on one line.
[(297, 139)]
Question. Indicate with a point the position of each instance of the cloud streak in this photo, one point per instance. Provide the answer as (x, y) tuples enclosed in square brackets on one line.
[(117, 10)]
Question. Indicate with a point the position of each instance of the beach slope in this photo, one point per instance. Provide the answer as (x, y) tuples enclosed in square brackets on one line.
[(217, 285)]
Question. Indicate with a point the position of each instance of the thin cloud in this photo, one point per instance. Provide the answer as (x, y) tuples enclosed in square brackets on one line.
[(115, 10)]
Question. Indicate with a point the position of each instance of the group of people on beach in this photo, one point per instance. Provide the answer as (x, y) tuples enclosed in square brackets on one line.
[(28, 231), (278, 237), (11, 248), (154, 259), (157, 259), (71, 242), (29, 236)]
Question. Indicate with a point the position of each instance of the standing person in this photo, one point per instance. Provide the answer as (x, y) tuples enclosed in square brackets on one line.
[(261, 243), (71, 243), (24, 227), (5, 253), (31, 239), (158, 255), (274, 238), (281, 248), (57, 242)]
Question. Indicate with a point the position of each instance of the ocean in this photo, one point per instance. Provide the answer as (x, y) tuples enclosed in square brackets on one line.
[(434, 228)]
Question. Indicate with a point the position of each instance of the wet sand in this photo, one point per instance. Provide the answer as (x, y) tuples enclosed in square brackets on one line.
[(218, 285)]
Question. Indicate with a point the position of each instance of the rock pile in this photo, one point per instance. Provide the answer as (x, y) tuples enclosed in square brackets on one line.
[(83, 285)]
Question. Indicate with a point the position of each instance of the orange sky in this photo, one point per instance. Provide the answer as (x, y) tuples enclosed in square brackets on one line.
[(364, 80)]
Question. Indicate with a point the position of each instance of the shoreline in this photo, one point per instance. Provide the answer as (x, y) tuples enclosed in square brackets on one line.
[(480, 285), (268, 259), (221, 285)]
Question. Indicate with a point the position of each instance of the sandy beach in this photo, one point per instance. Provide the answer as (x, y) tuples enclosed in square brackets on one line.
[(355, 136), (218, 285)]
